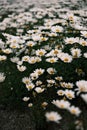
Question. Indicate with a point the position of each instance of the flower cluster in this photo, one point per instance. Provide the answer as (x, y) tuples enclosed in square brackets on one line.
[(46, 44)]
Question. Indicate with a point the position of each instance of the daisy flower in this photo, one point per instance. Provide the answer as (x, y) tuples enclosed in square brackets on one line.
[(26, 80), (84, 34), (74, 110), (2, 77), (40, 52), (52, 60), (25, 99), (30, 86), (61, 104), (53, 116), (21, 68), (39, 90), (69, 94), (76, 53), (51, 71), (56, 29), (82, 86), (3, 57)]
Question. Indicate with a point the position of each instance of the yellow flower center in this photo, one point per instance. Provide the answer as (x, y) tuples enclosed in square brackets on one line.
[(66, 59)]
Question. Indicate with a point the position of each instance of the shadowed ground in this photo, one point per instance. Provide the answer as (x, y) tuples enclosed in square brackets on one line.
[(15, 119)]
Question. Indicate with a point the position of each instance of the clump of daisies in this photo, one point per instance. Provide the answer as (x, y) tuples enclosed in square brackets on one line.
[(47, 48)]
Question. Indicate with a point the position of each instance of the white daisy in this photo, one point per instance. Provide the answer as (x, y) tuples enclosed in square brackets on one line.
[(3, 57), (53, 116), (25, 99), (57, 29), (51, 71), (39, 90), (69, 94), (61, 104), (40, 52), (76, 53), (2, 77), (82, 86), (74, 110)]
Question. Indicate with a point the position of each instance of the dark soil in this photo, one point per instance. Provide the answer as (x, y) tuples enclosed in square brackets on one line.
[(14, 119), (22, 119)]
